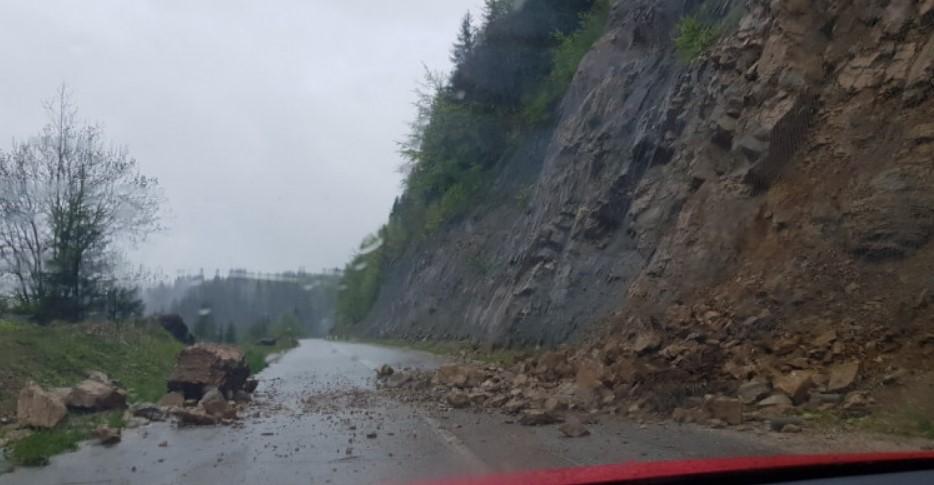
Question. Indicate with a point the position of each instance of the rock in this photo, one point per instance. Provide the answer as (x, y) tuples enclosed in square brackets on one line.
[(96, 375), (779, 424), (208, 365), (457, 399), (107, 436), (843, 376), (193, 417), (148, 411), (215, 404), (589, 375), (176, 327), (825, 338), (94, 395), (39, 408), (371, 436), (459, 376), (250, 385), (384, 371), (893, 377), (778, 400), (573, 427), (891, 216), (791, 428), (726, 409), (242, 396), (537, 417), (795, 385), (647, 341), (172, 400), (752, 391), (857, 403), (515, 405)]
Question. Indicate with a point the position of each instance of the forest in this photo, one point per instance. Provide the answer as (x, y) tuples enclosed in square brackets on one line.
[(245, 307), (511, 69)]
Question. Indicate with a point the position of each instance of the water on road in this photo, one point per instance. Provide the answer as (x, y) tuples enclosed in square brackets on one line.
[(317, 420)]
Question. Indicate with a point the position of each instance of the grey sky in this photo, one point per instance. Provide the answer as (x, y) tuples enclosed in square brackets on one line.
[(270, 124)]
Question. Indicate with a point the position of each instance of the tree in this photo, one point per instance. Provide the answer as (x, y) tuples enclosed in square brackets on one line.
[(66, 202), (466, 40), (204, 327), (230, 334), (494, 10)]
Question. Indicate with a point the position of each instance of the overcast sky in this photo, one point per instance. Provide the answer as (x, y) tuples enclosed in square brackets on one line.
[(271, 125)]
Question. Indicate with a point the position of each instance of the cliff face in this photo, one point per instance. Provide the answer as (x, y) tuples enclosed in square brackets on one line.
[(783, 180)]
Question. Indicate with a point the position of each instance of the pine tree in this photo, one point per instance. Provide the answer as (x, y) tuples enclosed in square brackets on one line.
[(466, 40), (494, 10), (230, 335)]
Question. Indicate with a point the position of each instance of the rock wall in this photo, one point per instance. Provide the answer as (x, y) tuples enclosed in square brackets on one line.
[(782, 181)]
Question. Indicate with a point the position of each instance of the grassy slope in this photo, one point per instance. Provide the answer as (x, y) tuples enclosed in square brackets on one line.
[(141, 358)]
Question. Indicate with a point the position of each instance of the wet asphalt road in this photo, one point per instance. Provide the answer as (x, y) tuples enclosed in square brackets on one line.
[(315, 421)]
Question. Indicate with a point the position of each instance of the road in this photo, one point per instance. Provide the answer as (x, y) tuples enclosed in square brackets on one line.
[(314, 410)]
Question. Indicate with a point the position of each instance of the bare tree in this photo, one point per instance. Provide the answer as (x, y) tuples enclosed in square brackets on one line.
[(67, 201)]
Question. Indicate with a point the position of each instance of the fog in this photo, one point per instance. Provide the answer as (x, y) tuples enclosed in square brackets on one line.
[(271, 125)]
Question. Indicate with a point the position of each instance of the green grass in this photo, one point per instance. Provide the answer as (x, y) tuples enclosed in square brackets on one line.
[(37, 448), (256, 354), (139, 357)]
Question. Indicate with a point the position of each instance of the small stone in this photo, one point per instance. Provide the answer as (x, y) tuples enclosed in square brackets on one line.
[(843, 376), (457, 399), (537, 417), (384, 371), (371, 435), (573, 428), (107, 436)]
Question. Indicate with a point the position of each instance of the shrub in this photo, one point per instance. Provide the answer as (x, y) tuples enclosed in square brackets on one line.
[(694, 37)]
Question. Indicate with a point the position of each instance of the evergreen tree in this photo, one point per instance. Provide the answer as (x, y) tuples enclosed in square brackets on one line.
[(466, 40), (230, 335), (494, 10), (205, 328)]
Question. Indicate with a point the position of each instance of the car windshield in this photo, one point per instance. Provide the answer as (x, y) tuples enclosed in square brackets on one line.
[(318, 241)]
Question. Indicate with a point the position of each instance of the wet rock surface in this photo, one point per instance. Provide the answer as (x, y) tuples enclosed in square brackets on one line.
[(203, 366)]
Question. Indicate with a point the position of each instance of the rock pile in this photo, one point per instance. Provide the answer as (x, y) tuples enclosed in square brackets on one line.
[(686, 376)]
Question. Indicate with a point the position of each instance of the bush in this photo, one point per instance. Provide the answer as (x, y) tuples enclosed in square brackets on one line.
[(694, 37)]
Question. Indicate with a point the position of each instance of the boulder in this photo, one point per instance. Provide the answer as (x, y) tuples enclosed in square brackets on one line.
[(537, 417), (752, 391), (202, 366), (795, 385), (148, 411), (726, 409), (39, 408), (250, 385), (107, 436), (215, 404), (459, 376), (776, 400), (176, 327), (457, 399), (172, 400), (94, 395), (843, 376), (193, 417), (384, 371)]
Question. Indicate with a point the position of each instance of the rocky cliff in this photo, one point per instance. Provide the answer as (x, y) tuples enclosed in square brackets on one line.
[(781, 183)]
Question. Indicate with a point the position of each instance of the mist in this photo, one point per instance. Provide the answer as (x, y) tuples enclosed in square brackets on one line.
[(272, 126)]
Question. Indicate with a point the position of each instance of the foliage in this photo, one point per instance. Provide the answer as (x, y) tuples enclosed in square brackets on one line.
[(245, 299), (694, 37), (566, 58), (138, 355), (467, 124), (66, 200)]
